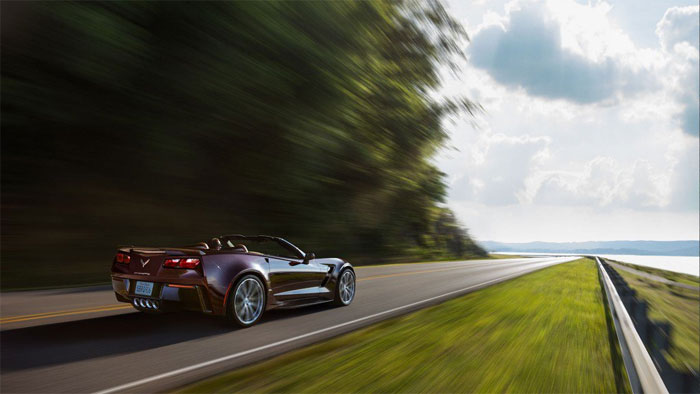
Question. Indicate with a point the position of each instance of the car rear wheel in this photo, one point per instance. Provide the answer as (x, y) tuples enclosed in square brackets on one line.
[(247, 301), (345, 290)]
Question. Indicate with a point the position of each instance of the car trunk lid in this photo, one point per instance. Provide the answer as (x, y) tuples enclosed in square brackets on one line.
[(149, 261)]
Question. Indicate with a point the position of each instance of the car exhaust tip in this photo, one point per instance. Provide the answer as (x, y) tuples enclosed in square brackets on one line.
[(144, 303)]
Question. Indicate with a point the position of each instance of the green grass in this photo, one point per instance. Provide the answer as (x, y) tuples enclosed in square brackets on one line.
[(543, 332), (681, 309), (670, 275)]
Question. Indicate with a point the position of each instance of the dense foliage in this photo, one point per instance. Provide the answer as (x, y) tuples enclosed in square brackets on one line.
[(165, 123)]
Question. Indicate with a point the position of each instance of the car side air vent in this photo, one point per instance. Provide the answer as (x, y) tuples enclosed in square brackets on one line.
[(328, 275)]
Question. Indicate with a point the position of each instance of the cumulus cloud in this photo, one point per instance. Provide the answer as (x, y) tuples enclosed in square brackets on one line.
[(503, 164), (689, 117), (679, 24), (526, 50), (542, 157), (685, 184), (603, 182), (678, 34)]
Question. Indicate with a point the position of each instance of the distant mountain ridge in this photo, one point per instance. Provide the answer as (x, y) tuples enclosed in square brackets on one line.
[(642, 248)]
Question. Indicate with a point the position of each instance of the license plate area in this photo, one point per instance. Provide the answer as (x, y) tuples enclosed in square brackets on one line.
[(143, 288)]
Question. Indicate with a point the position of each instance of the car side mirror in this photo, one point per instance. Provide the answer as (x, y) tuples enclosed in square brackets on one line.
[(308, 257)]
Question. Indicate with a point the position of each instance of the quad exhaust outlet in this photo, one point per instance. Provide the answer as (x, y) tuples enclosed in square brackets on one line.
[(145, 303)]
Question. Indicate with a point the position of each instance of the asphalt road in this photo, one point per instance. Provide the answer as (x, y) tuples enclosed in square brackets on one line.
[(82, 340)]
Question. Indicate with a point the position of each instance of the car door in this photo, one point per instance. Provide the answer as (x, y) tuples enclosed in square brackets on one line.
[(295, 279)]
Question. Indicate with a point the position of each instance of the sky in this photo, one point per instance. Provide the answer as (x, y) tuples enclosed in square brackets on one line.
[(590, 121)]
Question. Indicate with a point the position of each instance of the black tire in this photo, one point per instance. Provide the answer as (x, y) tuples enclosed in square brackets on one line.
[(348, 295), (247, 301)]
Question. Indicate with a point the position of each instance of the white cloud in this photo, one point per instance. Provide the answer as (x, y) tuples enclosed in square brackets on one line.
[(678, 25), (678, 34), (582, 127), (604, 183), (685, 181), (524, 223), (562, 50), (501, 165)]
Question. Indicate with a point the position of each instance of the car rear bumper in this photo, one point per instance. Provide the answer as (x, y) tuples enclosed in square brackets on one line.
[(166, 295)]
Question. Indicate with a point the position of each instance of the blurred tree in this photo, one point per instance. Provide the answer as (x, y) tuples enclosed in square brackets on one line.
[(166, 123)]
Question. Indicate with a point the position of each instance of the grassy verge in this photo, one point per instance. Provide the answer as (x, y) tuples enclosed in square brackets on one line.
[(674, 276), (544, 332), (681, 309)]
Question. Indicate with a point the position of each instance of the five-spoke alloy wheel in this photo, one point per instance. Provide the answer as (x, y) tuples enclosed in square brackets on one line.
[(248, 301)]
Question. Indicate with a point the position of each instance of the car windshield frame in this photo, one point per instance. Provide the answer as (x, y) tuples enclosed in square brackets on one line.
[(288, 246)]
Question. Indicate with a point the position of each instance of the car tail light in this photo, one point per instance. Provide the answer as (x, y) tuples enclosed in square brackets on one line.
[(172, 263), (123, 258), (187, 263)]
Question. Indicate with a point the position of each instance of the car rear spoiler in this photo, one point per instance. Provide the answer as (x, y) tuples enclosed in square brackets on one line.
[(169, 251)]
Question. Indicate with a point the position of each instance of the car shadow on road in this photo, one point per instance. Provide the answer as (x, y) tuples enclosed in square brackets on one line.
[(280, 314), (61, 343)]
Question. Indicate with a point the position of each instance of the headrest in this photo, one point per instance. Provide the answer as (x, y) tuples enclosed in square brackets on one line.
[(215, 244)]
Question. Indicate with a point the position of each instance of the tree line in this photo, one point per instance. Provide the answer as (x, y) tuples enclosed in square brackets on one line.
[(161, 123)]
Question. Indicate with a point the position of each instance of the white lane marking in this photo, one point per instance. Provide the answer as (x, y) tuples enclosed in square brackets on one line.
[(127, 386)]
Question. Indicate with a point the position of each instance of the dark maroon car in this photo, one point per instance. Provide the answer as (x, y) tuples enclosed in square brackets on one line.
[(235, 276)]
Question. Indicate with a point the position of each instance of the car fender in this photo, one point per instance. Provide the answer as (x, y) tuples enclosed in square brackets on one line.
[(264, 278), (340, 265), (223, 270)]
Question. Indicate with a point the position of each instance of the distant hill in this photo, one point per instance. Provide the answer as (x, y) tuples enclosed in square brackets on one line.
[(643, 248)]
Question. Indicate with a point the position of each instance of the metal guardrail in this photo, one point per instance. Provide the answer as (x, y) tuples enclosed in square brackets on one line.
[(642, 373)]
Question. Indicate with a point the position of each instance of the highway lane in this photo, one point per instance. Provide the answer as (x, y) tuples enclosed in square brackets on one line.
[(88, 347), (28, 308)]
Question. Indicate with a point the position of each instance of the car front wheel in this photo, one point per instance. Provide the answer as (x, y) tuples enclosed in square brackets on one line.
[(345, 290)]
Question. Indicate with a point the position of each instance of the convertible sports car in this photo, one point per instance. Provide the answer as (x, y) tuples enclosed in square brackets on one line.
[(236, 276)]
